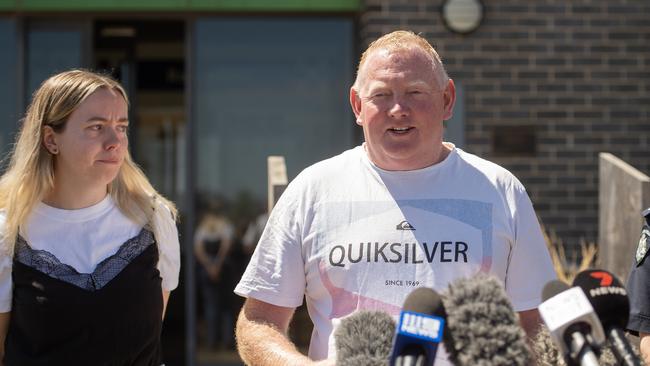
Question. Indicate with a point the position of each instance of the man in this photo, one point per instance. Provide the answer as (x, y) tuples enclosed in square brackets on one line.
[(363, 229), (638, 286)]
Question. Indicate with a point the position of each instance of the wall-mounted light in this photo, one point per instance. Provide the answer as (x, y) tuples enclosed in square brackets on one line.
[(462, 16)]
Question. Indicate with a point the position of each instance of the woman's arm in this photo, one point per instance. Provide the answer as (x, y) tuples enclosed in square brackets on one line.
[(199, 251), (222, 255), (4, 327), (165, 295)]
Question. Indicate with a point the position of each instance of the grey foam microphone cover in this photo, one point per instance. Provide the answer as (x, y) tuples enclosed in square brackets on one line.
[(364, 338), (482, 326), (547, 353)]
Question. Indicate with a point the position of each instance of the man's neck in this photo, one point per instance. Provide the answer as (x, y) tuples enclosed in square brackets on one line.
[(436, 158)]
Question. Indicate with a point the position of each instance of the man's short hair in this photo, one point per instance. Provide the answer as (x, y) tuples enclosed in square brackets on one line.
[(402, 40)]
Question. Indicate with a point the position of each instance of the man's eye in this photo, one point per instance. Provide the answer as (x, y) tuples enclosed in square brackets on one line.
[(96, 127), (123, 128)]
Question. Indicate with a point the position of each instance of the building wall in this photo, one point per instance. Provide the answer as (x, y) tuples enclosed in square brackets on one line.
[(576, 72)]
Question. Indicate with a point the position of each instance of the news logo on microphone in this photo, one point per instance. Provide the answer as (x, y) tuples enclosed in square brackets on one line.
[(420, 329), (426, 327)]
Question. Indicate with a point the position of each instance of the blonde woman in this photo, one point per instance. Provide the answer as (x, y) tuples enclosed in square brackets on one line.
[(90, 250)]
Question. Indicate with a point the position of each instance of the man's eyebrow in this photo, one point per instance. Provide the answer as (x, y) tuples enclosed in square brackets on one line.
[(376, 83), (418, 83)]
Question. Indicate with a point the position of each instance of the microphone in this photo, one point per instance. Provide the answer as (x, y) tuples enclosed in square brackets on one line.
[(547, 353), (482, 326), (419, 330), (364, 339), (609, 299), (572, 322)]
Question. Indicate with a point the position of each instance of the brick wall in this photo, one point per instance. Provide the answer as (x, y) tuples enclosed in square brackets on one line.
[(577, 72)]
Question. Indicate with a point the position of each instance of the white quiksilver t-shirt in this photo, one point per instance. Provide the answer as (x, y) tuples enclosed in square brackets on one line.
[(347, 235)]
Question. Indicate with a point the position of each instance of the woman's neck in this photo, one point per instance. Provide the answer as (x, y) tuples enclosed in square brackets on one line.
[(74, 199)]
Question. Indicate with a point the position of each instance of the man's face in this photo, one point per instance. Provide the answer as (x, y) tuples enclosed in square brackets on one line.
[(401, 106)]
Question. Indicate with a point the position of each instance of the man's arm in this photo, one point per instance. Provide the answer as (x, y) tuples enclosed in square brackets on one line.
[(530, 321), (644, 346), (262, 337)]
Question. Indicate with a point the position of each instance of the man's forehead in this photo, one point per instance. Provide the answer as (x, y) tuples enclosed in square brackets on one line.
[(388, 64), (399, 56)]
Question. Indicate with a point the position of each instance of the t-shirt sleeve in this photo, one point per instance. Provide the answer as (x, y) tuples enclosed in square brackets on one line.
[(276, 271), (6, 283), (530, 266), (169, 262)]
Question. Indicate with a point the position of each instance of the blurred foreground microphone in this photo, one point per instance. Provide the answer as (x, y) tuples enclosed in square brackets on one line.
[(609, 299), (548, 354), (482, 327), (572, 322), (364, 339), (419, 330)]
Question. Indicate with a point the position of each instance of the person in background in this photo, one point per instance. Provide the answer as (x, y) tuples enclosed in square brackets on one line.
[(253, 233), (361, 230), (89, 249), (638, 288), (212, 246)]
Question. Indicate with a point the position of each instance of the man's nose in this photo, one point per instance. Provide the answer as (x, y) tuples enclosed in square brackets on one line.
[(399, 108)]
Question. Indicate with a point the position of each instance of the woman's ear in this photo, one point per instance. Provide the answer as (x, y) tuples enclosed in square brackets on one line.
[(49, 140)]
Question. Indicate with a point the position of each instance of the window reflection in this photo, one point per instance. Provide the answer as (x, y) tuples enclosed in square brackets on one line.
[(8, 98), (261, 87)]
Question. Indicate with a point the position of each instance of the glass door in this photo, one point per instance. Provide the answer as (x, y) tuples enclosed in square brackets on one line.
[(260, 87), (52, 47), (9, 102)]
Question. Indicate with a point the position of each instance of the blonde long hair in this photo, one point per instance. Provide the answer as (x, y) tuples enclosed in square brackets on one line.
[(30, 174)]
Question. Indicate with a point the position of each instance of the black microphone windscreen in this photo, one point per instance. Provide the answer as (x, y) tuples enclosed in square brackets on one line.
[(607, 295), (365, 338), (424, 300), (482, 327), (553, 288)]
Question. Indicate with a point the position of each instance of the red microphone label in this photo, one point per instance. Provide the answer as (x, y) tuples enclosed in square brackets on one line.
[(605, 278)]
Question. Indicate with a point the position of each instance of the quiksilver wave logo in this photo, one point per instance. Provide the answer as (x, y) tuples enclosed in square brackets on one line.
[(404, 225)]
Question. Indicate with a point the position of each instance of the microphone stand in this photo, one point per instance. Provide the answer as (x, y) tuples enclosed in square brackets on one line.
[(581, 351)]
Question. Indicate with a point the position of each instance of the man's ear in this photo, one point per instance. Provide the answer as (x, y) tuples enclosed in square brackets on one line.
[(355, 102), (449, 98), (49, 140)]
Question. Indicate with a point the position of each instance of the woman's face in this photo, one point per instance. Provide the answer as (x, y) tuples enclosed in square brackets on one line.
[(91, 148)]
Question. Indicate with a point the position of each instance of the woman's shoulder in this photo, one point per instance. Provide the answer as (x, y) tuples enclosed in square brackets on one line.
[(163, 208)]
